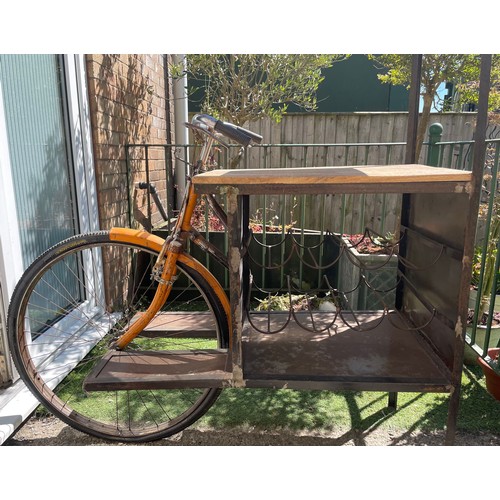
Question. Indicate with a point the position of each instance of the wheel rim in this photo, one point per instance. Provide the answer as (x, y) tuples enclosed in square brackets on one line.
[(83, 328)]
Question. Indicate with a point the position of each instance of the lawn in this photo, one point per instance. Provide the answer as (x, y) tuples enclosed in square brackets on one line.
[(321, 411), (267, 409)]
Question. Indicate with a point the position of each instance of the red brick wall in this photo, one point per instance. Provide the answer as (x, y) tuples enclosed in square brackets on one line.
[(128, 105)]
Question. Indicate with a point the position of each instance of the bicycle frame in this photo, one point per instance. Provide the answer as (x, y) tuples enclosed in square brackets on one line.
[(172, 250)]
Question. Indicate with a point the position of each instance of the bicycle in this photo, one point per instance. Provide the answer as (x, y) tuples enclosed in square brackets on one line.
[(110, 293)]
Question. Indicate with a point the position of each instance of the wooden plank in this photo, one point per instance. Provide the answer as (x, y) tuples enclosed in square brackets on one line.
[(181, 325), (330, 130), (341, 138), (133, 370), (182, 321), (369, 174), (353, 122), (319, 158)]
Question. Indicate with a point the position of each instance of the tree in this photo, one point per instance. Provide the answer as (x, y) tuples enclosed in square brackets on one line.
[(245, 87), (460, 69), (468, 87)]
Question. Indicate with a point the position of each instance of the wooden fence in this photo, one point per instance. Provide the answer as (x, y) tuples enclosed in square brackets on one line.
[(328, 128), (331, 139), (335, 139)]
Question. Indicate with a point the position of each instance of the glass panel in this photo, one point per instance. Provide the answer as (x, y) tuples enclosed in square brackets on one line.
[(32, 88)]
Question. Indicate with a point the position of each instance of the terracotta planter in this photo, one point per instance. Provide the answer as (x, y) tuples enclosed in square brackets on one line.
[(492, 377)]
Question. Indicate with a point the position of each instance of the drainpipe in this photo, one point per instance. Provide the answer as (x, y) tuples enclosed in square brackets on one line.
[(181, 132)]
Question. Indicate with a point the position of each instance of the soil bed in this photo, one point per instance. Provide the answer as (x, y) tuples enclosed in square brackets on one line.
[(50, 431)]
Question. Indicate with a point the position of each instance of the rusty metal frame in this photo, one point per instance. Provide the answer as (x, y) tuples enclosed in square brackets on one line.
[(470, 230), (451, 369), (470, 223)]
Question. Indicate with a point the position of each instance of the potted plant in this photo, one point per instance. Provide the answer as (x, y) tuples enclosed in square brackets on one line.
[(491, 371), (485, 287), (373, 257), (484, 281)]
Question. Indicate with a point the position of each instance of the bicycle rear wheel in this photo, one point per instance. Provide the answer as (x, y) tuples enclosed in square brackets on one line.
[(77, 297)]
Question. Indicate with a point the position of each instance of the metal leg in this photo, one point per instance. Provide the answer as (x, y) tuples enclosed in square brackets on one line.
[(392, 403), (235, 282), (451, 424), (245, 230)]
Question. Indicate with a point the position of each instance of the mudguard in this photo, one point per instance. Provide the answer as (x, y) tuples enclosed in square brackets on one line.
[(145, 239)]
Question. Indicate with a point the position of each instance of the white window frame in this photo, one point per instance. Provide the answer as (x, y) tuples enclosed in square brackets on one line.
[(81, 142), (16, 403)]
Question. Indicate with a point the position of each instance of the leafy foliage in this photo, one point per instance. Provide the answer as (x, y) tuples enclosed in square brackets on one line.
[(245, 87), (296, 302), (488, 268), (461, 69)]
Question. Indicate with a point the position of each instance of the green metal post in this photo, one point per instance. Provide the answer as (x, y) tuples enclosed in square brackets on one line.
[(435, 135)]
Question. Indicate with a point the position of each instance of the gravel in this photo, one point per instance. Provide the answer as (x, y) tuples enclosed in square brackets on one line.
[(50, 431)]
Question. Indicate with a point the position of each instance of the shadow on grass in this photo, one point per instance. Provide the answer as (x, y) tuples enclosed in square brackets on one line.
[(361, 412), (320, 418)]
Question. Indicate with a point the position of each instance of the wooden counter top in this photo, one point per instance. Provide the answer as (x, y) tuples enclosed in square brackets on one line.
[(350, 179)]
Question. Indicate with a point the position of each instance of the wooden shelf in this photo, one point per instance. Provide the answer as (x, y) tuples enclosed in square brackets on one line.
[(349, 179), (182, 324), (129, 370), (169, 368), (384, 357)]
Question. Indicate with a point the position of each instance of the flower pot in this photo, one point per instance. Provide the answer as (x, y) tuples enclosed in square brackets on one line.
[(491, 376), (470, 355), (380, 272)]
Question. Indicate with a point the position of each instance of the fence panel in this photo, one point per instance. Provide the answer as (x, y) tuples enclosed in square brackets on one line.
[(483, 330)]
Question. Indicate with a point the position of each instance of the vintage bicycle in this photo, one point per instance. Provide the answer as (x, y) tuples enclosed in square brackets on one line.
[(111, 292), (128, 337)]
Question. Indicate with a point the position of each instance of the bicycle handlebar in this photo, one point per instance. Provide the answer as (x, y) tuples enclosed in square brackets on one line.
[(239, 134)]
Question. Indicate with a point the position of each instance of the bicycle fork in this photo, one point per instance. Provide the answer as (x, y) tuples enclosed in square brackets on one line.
[(164, 271), (165, 281)]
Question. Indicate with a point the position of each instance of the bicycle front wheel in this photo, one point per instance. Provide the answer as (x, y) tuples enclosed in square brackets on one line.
[(69, 306)]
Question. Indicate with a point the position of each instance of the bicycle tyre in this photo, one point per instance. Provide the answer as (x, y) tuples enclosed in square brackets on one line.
[(40, 327)]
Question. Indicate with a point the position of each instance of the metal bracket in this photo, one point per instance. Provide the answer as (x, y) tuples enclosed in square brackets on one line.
[(156, 275)]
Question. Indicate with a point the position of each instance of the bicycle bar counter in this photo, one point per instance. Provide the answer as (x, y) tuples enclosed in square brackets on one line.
[(417, 347), (420, 346)]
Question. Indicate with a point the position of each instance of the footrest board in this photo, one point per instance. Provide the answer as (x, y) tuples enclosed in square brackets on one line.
[(133, 370)]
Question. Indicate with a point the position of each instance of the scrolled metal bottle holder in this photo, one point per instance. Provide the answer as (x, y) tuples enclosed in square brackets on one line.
[(301, 306)]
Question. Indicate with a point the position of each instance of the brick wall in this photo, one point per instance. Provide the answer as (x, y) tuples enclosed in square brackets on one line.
[(128, 105)]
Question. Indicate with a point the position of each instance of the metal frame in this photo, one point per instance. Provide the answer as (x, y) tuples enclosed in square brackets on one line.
[(416, 347), (467, 203)]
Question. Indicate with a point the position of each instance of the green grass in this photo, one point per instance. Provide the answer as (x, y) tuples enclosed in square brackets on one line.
[(322, 410), (137, 405), (268, 409)]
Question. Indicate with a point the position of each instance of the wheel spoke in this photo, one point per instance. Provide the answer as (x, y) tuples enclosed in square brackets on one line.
[(76, 304)]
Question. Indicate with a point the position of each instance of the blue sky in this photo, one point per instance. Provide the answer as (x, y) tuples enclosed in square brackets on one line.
[(441, 92)]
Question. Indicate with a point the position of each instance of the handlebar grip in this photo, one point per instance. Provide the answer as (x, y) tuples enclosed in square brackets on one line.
[(238, 134), (255, 137)]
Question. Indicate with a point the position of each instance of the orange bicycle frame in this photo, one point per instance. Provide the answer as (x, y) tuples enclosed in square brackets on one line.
[(170, 251)]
